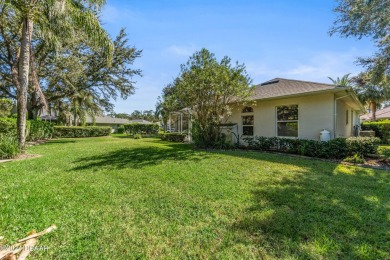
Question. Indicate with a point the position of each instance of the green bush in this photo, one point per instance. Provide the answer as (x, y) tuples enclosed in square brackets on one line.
[(385, 151), (336, 148), (137, 136), (81, 131), (8, 125), (381, 129), (356, 158), (40, 130), (9, 147), (145, 129), (120, 129), (173, 137), (363, 145), (6, 106)]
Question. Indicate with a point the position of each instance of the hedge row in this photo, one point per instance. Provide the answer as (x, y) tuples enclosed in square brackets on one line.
[(173, 137), (338, 148), (81, 131), (381, 129), (35, 129), (39, 130), (137, 128)]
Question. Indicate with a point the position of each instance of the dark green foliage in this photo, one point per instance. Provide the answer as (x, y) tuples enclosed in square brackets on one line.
[(9, 147), (334, 149), (381, 129), (5, 107), (40, 130), (80, 131), (8, 125), (207, 86), (173, 137), (363, 145), (356, 158), (137, 128), (120, 130)]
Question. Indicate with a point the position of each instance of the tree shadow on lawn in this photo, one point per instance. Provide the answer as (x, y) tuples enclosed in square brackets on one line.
[(59, 141), (319, 211), (140, 157)]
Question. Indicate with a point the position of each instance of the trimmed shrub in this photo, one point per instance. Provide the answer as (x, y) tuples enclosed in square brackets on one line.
[(120, 130), (40, 130), (9, 147), (137, 128), (8, 125), (363, 145), (338, 148), (381, 129), (173, 137), (81, 131)]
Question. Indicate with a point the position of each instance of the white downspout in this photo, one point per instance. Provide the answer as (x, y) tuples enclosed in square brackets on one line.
[(335, 114)]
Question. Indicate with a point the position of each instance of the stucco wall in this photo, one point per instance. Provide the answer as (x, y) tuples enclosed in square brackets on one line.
[(315, 114), (344, 129)]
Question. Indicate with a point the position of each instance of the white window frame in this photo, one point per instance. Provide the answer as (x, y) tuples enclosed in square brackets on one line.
[(285, 121), (243, 114)]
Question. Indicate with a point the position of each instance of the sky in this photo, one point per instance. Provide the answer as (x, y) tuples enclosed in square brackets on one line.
[(278, 38)]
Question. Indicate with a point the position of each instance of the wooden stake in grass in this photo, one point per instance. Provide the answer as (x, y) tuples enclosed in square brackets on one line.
[(24, 245)]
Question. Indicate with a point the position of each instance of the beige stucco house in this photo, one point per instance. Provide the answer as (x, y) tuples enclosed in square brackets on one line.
[(296, 109)]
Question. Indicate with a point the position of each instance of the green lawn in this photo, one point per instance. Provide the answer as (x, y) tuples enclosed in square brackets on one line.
[(120, 198)]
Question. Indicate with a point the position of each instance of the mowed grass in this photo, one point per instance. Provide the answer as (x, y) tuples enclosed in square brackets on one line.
[(120, 198)]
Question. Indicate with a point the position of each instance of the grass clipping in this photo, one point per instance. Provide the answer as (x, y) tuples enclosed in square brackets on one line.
[(21, 249)]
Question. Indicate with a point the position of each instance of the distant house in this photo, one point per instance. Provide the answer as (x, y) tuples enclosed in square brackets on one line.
[(107, 121), (139, 121), (380, 114), (294, 109)]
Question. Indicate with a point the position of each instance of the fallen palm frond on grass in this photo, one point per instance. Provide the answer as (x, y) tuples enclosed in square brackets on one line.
[(24, 246)]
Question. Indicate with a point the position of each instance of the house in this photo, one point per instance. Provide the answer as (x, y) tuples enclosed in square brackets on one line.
[(380, 114), (107, 121), (297, 109), (140, 121)]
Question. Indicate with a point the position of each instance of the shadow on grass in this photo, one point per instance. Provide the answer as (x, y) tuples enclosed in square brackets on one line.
[(139, 157), (324, 211), (60, 141)]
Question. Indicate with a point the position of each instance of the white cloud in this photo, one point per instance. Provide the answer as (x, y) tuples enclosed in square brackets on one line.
[(183, 50), (318, 67)]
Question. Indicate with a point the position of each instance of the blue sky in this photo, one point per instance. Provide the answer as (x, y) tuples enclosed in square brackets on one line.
[(279, 38)]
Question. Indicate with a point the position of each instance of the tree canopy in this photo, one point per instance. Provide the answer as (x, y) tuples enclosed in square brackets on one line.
[(208, 87), (367, 18)]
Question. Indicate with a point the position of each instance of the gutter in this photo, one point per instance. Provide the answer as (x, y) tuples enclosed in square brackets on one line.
[(335, 112)]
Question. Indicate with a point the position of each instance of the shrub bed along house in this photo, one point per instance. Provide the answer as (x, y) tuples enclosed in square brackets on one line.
[(338, 148), (81, 131), (173, 137), (143, 129), (381, 129)]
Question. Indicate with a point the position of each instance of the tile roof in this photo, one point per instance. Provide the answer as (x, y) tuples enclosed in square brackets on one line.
[(380, 114), (279, 87)]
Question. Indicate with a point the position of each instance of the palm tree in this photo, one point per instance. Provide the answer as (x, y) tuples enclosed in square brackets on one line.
[(369, 93), (83, 105), (49, 21), (344, 81)]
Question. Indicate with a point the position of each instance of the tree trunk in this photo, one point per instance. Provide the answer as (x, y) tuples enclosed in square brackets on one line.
[(373, 110), (23, 73)]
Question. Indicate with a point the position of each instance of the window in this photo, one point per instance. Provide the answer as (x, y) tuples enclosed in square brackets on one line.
[(247, 125), (247, 110), (346, 117), (287, 121)]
